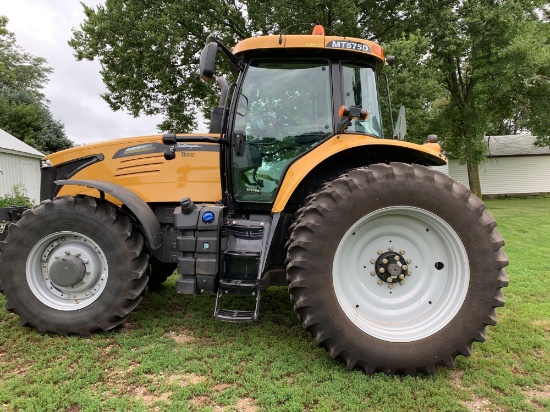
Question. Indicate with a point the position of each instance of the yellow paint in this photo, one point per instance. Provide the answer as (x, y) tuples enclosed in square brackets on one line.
[(149, 176), (299, 169), (302, 41)]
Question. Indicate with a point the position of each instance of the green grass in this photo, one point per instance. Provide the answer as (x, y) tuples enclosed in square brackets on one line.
[(172, 355)]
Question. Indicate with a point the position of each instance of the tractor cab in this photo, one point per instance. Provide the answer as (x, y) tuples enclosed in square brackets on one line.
[(287, 101)]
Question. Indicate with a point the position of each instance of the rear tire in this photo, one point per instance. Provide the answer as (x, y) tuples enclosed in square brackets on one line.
[(73, 265), (396, 268)]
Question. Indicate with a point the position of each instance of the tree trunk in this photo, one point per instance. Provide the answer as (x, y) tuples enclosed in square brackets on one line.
[(473, 178)]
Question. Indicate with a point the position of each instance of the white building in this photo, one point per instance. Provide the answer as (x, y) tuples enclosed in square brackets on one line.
[(19, 164), (514, 166)]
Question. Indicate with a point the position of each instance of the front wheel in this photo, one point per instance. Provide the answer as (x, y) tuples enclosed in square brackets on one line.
[(396, 268), (73, 265)]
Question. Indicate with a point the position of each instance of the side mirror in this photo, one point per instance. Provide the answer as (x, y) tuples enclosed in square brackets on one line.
[(401, 125), (208, 61)]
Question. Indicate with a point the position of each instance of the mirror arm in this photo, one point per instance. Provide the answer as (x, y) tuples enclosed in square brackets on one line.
[(234, 59)]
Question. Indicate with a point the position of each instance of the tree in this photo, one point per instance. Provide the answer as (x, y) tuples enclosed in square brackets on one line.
[(27, 118), (23, 108), (491, 59), (20, 70), (150, 50), (467, 67)]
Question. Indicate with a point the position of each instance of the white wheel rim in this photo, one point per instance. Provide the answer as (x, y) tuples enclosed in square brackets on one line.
[(45, 258), (429, 297)]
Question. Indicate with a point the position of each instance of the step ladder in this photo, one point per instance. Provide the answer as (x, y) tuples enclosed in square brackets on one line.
[(241, 273), (240, 288)]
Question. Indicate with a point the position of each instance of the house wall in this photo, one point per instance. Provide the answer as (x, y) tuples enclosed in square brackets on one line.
[(20, 169), (508, 175)]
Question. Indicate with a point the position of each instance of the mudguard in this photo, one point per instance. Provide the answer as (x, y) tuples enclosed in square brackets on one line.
[(137, 206)]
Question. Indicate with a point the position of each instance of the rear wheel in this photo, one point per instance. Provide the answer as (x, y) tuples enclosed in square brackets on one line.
[(396, 268), (73, 265)]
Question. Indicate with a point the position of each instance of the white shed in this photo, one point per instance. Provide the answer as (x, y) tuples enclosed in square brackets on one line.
[(514, 166), (19, 164)]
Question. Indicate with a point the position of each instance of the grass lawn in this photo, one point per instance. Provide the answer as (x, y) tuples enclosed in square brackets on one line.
[(173, 356)]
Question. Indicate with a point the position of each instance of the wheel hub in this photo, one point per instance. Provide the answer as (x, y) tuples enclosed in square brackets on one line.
[(391, 267), (67, 271)]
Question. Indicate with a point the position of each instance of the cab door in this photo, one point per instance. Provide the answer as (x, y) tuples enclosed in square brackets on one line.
[(283, 109)]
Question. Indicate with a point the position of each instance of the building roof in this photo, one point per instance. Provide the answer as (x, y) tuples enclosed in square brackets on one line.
[(11, 144), (514, 145)]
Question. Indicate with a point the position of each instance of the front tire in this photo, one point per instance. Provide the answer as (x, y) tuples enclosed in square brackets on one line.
[(73, 265), (396, 268)]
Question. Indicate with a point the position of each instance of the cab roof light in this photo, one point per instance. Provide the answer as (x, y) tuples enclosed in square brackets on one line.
[(318, 30)]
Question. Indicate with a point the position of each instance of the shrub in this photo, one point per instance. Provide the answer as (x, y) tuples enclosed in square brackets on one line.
[(18, 199)]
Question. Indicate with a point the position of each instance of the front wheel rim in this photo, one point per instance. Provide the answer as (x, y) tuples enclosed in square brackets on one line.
[(401, 274), (67, 271)]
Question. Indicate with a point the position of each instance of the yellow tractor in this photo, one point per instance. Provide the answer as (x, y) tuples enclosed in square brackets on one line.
[(390, 265)]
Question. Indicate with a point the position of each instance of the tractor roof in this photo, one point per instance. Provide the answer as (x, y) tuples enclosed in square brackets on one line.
[(312, 42)]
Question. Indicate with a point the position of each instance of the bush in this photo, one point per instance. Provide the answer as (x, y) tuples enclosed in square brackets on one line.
[(19, 199)]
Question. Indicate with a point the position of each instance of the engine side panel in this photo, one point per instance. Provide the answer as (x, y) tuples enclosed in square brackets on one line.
[(138, 164)]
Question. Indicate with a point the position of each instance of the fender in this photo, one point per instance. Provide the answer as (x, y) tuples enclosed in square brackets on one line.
[(137, 206), (428, 154)]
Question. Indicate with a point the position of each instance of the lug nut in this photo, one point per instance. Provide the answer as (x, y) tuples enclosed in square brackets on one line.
[(379, 251), (409, 273), (58, 257), (373, 261), (389, 280), (379, 282), (44, 265), (384, 261), (390, 248), (401, 277), (404, 267), (88, 272), (402, 252), (409, 261), (396, 258), (382, 270), (77, 254), (390, 286), (372, 273), (402, 282)]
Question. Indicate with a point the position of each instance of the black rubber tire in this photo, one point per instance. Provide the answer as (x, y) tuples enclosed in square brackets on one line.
[(159, 272), (108, 227), (337, 206)]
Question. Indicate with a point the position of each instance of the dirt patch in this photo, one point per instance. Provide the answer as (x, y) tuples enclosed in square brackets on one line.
[(540, 393), (186, 380), (148, 398), (221, 387), (456, 379), (545, 324), (180, 337), (246, 405)]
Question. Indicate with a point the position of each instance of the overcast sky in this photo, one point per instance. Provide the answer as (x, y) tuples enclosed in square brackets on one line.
[(42, 28)]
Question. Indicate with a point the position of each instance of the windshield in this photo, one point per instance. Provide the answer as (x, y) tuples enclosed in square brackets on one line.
[(360, 90), (284, 109)]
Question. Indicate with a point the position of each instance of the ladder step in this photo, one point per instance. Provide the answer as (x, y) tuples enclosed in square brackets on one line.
[(229, 315), (239, 284)]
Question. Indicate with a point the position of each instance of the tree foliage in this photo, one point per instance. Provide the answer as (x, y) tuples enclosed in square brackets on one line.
[(23, 108), (464, 68), (150, 50)]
